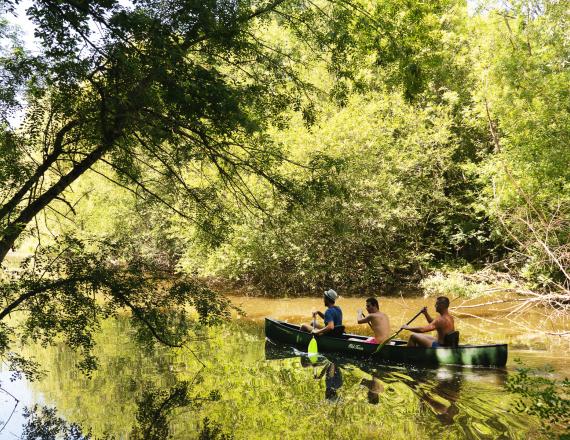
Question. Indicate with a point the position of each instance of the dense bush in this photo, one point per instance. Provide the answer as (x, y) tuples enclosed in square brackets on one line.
[(377, 209)]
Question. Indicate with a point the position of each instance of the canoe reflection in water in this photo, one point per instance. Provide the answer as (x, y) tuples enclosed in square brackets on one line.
[(331, 372), (440, 393), (471, 402), (438, 390)]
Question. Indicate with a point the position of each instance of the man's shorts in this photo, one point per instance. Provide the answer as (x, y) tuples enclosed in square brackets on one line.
[(435, 344)]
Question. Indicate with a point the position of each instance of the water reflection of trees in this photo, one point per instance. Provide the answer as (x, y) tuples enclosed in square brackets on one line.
[(13, 400), (154, 409), (134, 394), (270, 398), (436, 391)]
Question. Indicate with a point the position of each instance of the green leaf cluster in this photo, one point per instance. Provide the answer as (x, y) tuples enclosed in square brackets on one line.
[(542, 396)]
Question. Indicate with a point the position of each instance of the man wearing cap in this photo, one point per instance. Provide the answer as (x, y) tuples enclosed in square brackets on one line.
[(332, 317)]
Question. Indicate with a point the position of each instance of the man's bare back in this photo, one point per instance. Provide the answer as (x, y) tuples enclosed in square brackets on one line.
[(377, 320), (380, 326), (443, 324)]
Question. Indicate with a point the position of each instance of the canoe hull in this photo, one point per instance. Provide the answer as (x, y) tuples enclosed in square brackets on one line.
[(474, 355)]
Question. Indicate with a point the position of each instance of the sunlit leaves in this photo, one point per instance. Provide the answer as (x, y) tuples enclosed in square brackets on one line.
[(375, 185), (45, 423), (544, 397), (524, 97)]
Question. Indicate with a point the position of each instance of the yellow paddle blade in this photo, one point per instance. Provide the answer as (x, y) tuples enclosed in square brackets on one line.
[(313, 350)]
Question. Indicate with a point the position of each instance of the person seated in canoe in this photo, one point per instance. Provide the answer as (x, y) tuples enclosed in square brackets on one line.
[(377, 320), (332, 318), (443, 324)]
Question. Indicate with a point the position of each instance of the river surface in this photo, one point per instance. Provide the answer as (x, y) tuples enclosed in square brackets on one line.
[(242, 385)]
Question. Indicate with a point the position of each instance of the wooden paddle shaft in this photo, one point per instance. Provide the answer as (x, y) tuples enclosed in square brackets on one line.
[(417, 314), (408, 323), (381, 346)]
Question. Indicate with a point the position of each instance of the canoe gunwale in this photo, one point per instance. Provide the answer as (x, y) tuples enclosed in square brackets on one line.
[(350, 335)]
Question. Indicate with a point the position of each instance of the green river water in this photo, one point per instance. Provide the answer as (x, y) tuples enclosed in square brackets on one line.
[(253, 389)]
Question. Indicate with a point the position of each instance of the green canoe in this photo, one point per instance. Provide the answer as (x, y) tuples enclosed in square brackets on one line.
[(354, 345)]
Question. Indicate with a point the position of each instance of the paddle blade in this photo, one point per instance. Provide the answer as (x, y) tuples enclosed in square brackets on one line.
[(386, 342), (313, 350)]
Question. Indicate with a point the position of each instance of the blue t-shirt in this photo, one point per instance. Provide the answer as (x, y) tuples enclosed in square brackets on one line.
[(333, 314)]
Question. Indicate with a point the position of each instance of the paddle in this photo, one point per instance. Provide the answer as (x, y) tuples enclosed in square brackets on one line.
[(313, 350), (381, 346), (364, 316)]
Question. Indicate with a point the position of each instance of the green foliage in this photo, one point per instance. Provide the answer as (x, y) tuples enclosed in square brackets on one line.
[(377, 209), (524, 97), (541, 396), (465, 282), (451, 284), (43, 423), (70, 286), (168, 102), (213, 431), (287, 146), (467, 167)]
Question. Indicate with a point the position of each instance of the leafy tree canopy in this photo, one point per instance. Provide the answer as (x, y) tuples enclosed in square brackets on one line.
[(150, 95)]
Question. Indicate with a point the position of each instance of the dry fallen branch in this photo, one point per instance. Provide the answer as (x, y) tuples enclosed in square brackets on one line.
[(478, 317), (489, 303), (558, 301)]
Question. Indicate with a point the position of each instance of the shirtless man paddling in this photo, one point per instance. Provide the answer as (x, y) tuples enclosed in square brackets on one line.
[(443, 324), (377, 320)]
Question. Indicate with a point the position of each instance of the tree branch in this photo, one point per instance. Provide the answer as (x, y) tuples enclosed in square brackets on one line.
[(44, 166), (16, 227), (50, 286)]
